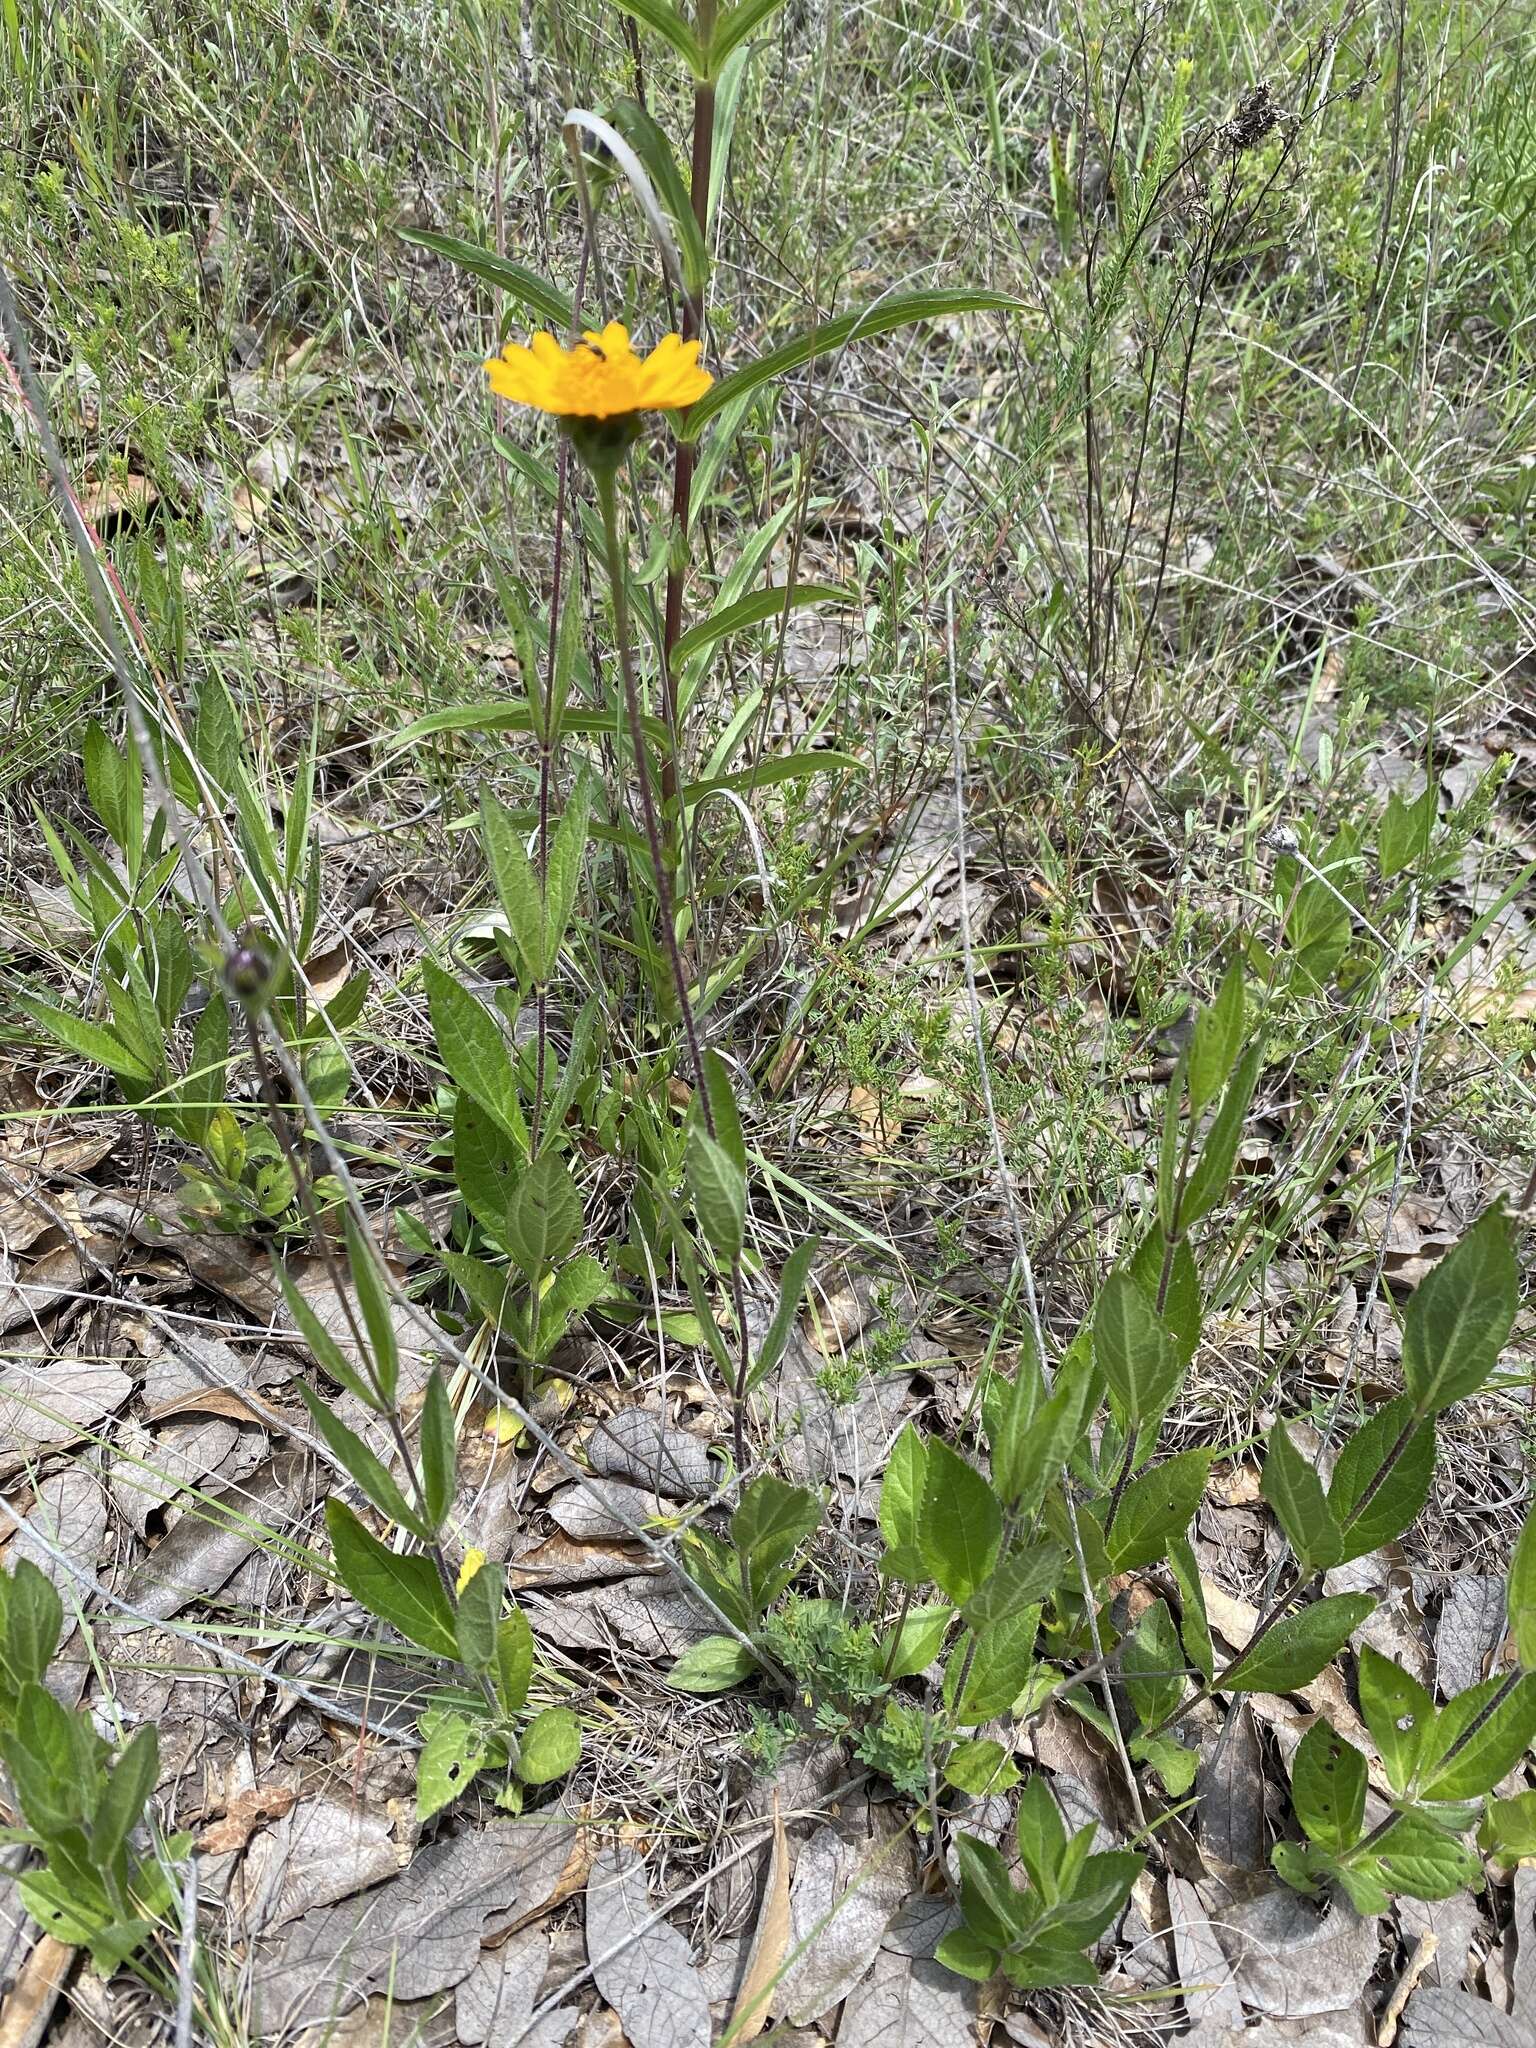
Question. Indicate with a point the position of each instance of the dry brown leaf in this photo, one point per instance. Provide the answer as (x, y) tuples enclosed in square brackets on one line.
[(118, 498), (557, 1561), (247, 1811), (641, 1965), (229, 1402), (770, 1941)]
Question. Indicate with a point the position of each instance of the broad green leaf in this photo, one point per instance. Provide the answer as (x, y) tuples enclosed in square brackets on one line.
[(1426, 1862), (1001, 1670), (405, 1590), (768, 1529), (1460, 1317), (1493, 1723), (455, 1749), (1218, 1152), (550, 1746), (1217, 1036), (90, 1041), (474, 1051), (960, 1527), (1157, 1506), (797, 766), (1152, 1660), (543, 1216), (477, 1618), (770, 603), (383, 1360), (792, 1283), (1395, 1505), (1397, 1711), (979, 1767), (968, 1956), (714, 1665), (439, 1452), (106, 775), (1294, 1491), (1328, 1787), (1520, 1595), (901, 1504), (355, 1457), (1297, 1648), (530, 290), (900, 309), (514, 1659), (1021, 1580), (719, 1191), (921, 1639), (1135, 1350)]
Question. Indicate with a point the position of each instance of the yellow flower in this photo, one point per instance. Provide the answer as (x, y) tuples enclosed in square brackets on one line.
[(473, 1559), (601, 378)]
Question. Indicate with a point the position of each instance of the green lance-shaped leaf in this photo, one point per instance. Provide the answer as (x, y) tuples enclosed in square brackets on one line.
[(517, 885), (1425, 1860), (567, 848), (1494, 1727), (1328, 1787), (454, 1750), (1294, 1491), (477, 1619), (486, 1168), (960, 1527), (901, 1508), (1156, 1507), (792, 1283), (360, 1463), (719, 1190), (672, 28), (474, 1051), (532, 292), (1135, 1350), (1182, 1308), (655, 152), (383, 1360), (901, 309), (918, 1642), (1520, 1595), (405, 1591), (733, 27), (439, 1457), (1460, 1317), (92, 1042), (1153, 1663), (514, 1660), (1296, 1649), (1008, 1408), (753, 610), (31, 1622), (1218, 1035), (1398, 1712), (1001, 1669), (121, 1806), (1218, 1153), (1366, 1523)]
